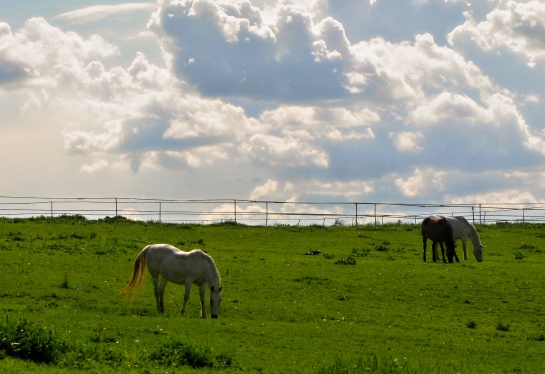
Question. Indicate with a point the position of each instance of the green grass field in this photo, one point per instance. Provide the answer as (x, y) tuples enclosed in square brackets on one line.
[(295, 300)]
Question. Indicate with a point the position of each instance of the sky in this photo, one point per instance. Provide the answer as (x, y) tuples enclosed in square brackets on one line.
[(290, 100)]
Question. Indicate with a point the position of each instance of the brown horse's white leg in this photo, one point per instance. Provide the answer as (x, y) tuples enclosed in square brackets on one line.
[(202, 291), (186, 296)]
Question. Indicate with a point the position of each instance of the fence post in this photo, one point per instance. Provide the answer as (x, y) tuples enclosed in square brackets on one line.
[(356, 214), (375, 214), (235, 202), (116, 206), (51, 202), (266, 214), (160, 211)]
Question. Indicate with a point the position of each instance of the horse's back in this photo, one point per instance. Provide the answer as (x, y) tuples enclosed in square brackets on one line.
[(436, 227), (176, 265)]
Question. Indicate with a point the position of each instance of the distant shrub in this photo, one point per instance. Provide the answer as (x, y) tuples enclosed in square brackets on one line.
[(363, 252), (381, 248), (346, 261), (115, 219), (537, 337), (500, 326)]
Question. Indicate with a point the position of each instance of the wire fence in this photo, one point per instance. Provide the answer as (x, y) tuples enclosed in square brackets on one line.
[(264, 212)]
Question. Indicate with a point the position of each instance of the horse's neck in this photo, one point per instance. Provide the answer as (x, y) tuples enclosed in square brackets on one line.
[(212, 274), (474, 236)]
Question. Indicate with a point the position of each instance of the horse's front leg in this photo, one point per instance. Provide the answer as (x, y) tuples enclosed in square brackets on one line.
[(465, 252), (202, 291), (186, 296), (456, 256), (443, 251)]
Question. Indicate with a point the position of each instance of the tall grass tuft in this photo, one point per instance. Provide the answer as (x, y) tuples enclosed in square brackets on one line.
[(372, 365), (28, 341), (177, 354)]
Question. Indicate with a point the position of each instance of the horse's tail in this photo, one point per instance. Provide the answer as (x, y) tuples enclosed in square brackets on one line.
[(138, 272)]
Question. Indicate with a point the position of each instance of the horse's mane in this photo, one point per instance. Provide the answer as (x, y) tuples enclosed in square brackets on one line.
[(212, 268)]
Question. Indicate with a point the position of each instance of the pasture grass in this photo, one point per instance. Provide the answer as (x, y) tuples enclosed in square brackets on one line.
[(296, 299)]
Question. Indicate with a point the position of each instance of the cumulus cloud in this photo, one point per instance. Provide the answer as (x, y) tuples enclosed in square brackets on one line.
[(421, 183), (288, 60), (279, 93), (515, 26), (43, 55)]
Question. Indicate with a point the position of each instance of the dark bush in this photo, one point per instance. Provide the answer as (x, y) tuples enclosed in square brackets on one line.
[(176, 354), (28, 341)]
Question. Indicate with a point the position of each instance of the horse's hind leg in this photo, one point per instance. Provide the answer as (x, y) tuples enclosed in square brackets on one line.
[(186, 296), (435, 256), (443, 251), (425, 243), (155, 278), (161, 300)]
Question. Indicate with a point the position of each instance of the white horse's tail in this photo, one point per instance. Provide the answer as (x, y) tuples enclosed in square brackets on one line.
[(138, 272)]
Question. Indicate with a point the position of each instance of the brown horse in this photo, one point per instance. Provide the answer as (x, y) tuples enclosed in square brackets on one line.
[(439, 230)]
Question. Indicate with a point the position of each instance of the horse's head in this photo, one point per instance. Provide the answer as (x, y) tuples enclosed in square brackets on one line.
[(215, 300), (478, 252)]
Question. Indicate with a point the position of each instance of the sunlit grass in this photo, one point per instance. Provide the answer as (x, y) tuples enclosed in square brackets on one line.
[(290, 304)]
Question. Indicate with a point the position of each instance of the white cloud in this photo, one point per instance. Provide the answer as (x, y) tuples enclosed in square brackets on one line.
[(407, 141), (515, 26), (422, 183), (44, 56), (98, 12), (275, 100)]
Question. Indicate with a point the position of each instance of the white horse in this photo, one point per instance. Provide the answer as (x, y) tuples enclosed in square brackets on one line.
[(461, 229), (178, 267)]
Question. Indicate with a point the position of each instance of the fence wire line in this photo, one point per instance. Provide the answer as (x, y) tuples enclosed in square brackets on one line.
[(263, 211)]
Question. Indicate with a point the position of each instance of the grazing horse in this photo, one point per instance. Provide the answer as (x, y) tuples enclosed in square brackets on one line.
[(439, 230), (461, 229), (177, 267)]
